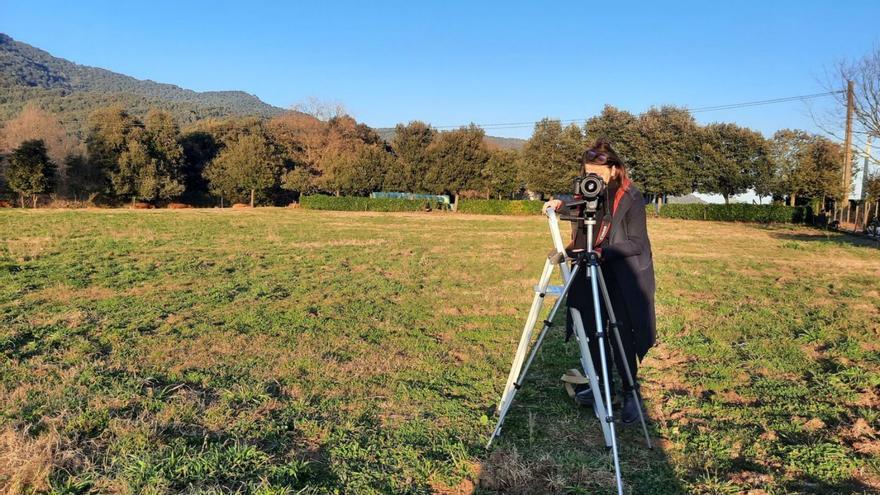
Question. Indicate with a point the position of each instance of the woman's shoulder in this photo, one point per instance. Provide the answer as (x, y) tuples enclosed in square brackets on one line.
[(635, 192), (631, 187)]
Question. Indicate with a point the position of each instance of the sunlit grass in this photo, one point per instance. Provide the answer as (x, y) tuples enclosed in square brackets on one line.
[(275, 350)]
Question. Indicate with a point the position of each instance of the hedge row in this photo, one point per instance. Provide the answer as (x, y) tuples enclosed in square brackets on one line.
[(736, 212), (356, 203), (500, 206), (483, 206)]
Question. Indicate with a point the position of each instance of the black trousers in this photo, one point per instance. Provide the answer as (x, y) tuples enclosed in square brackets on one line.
[(580, 296)]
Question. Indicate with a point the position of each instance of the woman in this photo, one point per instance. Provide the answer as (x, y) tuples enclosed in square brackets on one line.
[(626, 260)]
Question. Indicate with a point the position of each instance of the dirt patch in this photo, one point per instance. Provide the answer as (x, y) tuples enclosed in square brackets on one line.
[(465, 487)]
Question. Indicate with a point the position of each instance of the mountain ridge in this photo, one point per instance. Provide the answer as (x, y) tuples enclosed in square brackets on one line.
[(29, 74), (72, 91)]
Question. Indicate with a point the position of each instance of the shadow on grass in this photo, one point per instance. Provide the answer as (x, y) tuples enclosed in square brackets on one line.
[(549, 444), (829, 236)]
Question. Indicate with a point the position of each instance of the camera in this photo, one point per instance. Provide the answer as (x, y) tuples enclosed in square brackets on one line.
[(588, 192), (589, 187)]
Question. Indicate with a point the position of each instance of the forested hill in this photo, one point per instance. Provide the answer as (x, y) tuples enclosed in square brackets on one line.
[(72, 91)]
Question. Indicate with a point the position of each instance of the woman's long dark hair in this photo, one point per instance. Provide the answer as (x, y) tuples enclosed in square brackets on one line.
[(603, 146)]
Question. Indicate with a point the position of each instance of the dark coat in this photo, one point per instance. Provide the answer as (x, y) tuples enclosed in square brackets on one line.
[(628, 266)]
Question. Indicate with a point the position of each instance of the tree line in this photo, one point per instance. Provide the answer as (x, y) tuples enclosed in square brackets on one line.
[(670, 154), (123, 158)]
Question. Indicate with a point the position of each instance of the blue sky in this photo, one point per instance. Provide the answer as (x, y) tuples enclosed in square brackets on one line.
[(452, 62)]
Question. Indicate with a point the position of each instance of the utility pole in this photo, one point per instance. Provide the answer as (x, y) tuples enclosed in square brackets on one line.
[(866, 167), (847, 144)]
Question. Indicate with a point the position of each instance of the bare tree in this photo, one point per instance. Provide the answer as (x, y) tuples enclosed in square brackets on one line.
[(865, 74), (35, 123), (323, 110)]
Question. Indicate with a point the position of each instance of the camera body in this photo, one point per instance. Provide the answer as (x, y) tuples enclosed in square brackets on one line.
[(588, 190)]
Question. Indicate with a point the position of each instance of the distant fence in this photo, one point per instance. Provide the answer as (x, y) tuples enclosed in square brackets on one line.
[(853, 217), (433, 198)]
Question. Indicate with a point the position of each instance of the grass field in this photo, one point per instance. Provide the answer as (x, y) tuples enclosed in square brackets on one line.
[(286, 351)]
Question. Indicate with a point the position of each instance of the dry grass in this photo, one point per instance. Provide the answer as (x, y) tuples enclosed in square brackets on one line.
[(26, 461)]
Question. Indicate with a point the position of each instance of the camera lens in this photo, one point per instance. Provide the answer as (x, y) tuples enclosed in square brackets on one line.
[(591, 186)]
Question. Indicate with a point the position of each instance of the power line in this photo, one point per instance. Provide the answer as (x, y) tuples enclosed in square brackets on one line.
[(729, 106), (764, 102)]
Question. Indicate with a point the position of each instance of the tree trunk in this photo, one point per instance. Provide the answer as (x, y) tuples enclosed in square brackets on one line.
[(791, 199), (726, 198), (252, 197), (455, 202), (34, 199)]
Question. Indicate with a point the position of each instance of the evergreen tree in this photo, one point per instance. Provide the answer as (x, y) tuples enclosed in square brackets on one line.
[(410, 145), (501, 174), (248, 166), (30, 171), (805, 165), (457, 160), (730, 159), (107, 139), (364, 170), (668, 162), (199, 148), (621, 129), (83, 179), (149, 167), (551, 157)]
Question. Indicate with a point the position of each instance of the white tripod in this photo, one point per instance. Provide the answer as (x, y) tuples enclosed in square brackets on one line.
[(602, 405)]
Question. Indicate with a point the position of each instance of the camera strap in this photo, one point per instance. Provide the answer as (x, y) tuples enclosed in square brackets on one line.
[(605, 226)]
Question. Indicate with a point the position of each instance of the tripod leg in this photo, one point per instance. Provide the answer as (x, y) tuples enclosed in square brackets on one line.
[(600, 333), (590, 371), (630, 379), (507, 401), (526, 337)]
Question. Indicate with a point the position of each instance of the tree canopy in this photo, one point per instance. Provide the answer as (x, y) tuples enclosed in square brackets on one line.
[(267, 161), (30, 170)]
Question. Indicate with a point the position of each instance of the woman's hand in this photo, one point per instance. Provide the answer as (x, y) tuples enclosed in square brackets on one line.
[(553, 203)]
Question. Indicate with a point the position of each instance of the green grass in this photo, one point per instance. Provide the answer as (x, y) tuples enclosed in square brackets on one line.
[(286, 351)]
